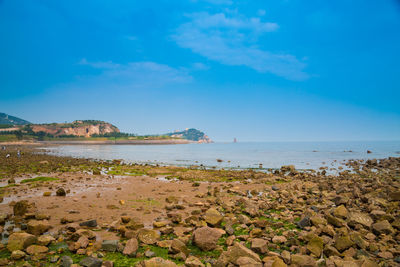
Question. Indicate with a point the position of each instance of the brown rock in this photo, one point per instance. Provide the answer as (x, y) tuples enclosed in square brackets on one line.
[(383, 227), (38, 227), (192, 261), (131, 247), (303, 261), (148, 236), (206, 238), (213, 217), (20, 241), (360, 218), (343, 242), (36, 249), (259, 245)]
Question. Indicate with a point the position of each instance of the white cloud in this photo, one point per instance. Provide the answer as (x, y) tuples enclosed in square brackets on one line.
[(232, 41), (134, 74)]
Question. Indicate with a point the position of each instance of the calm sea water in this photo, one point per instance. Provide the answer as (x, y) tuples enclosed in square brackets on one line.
[(304, 155)]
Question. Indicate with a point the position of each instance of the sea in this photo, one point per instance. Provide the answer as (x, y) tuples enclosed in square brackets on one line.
[(241, 155)]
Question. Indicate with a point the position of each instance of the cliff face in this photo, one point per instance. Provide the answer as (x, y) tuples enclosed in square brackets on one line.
[(77, 128)]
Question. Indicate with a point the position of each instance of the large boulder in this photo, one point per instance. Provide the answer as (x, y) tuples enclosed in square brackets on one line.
[(206, 238), (20, 241), (359, 218), (148, 236), (234, 253), (38, 227)]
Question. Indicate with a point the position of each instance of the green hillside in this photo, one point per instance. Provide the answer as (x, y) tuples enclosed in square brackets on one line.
[(6, 119)]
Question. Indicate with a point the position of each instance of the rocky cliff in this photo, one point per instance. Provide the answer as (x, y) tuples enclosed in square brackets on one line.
[(76, 128)]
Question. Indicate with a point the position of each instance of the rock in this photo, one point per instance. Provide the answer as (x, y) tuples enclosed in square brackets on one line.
[(90, 223), (341, 212), (395, 195), (36, 249), (383, 227), (17, 255), (149, 254), (107, 264), (46, 194), (38, 227), (305, 222), (61, 192), (158, 262), (316, 246), (234, 253), (148, 236), (278, 263), (318, 221), (45, 240), (192, 261), (213, 217), (359, 218), (206, 238), (82, 242), (109, 245), (178, 246), (131, 247), (66, 261), (259, 245), (303, 261), (91, 262), (337, 222), (20, 241), (125, 219), (278, 239), (134, 224), (5, 262), (248, 262), (22, 207), (286, 256), (343, 242)]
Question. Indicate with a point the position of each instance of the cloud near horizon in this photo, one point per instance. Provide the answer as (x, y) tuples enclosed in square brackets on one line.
[(233, 41)]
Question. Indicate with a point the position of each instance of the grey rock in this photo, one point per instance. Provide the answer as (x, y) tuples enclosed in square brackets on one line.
[(91, 262), (90, 223), (110, 245), (66, 261)]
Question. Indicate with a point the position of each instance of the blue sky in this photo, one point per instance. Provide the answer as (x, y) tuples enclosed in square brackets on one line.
[(261, 70)]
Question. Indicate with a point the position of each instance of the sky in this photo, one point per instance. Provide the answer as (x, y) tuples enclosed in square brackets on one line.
[(260, 70)]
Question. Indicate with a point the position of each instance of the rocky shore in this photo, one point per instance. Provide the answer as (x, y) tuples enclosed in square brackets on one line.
[(60, 211)]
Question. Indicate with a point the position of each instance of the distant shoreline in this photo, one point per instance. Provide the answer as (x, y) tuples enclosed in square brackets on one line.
[(116, 142)]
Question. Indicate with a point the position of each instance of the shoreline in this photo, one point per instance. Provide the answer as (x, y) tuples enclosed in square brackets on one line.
[(100, 142), (96, 210)]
